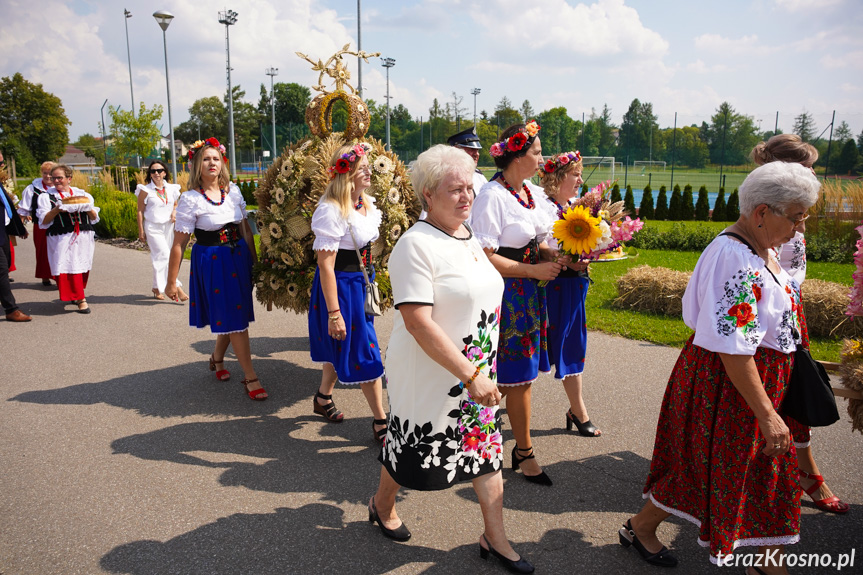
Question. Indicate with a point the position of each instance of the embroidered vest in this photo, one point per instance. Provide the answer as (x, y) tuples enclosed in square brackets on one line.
[(64, 223)]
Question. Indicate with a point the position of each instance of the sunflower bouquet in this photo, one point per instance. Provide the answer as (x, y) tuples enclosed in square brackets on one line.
[(594, 225)]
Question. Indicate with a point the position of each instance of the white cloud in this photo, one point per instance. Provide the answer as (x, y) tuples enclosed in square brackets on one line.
[(852, 61), (807, 5), (717, 45)]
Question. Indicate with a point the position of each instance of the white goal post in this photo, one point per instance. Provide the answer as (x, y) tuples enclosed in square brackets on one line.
[(648, 164), (601, 162)]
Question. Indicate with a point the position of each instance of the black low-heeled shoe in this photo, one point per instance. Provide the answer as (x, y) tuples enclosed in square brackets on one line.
[(586, 429), (520, 566), (662, 558), (400, 533), (541, 479)]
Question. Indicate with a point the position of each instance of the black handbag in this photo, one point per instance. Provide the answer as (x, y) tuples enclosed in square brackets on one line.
[(809, 398)]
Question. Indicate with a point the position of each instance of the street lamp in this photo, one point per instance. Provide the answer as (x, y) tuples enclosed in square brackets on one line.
[(359, 49), (128, 15), (104, 136), (475, 92), (388, 63), (164, 19), (229, 18), (272, 72)]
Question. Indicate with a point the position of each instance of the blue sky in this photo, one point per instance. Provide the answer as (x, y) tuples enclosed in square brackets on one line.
[(763, 56)]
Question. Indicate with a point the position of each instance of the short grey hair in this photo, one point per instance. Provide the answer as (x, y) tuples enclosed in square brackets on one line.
[(779, 185), (434, 164)]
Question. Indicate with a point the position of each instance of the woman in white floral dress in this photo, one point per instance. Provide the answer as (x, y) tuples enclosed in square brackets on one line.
[(441, 363)]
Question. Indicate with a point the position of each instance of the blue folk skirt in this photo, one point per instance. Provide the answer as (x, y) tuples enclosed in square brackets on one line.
[(522, 350), (357, 358), (220, 288), (567, 330)]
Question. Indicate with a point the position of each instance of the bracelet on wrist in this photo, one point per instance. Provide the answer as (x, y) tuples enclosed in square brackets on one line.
[(469, 382)]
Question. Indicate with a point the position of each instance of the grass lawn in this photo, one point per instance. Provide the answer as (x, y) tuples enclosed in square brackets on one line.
[(666, 330)]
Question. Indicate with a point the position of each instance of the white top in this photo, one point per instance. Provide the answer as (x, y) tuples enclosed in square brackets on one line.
[(27, 196), (792, 257), (157, 210), (498, 220), (194, 211), (331, 229), (734, 304), (44, 205)]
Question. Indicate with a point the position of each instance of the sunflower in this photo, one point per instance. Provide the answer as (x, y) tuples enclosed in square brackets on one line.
[(275, 230), (279, 195), (577, 232), (287, 167), (393, 195)]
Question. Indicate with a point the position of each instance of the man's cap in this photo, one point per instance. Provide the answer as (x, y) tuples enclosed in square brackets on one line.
[(465, 139)]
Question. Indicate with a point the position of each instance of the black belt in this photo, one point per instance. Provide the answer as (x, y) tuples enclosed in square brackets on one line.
[(226, 236), (569, 273), (346, 260), (528, 254)]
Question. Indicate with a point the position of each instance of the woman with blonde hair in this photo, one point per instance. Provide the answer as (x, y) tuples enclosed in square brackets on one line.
[(157, 211), (560, 178), (792, 258), (220, 281), (27, 209), (341, 335), (71, 237)]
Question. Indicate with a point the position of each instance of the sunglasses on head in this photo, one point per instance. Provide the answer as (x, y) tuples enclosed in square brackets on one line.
[(157, 171)]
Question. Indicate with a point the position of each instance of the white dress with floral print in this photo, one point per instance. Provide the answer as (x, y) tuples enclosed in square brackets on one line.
[(735, 305), (437, 435)]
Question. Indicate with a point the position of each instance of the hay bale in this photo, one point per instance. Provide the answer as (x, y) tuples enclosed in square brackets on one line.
[(652, 289), (851, 371), (824, 305)]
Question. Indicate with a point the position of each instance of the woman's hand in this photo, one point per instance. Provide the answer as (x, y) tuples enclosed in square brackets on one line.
[(484, 391), (174, 215), (579, 266), (776, 435), (142, 237), (337, 328), (545, 271)]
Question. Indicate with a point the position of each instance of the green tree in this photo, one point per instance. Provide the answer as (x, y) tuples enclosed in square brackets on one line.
[(675, 209), (208, 118), (606, 132), (730, 136), (702, 207), (720, 208), (505, 115), (804, 126), (848, 157), (842, 133), (135, 135), (92, 148), (559, 132), (645, 210), (687, 205), (661, 212), (527, 113), (33, 118), (615, 193), (629, 202), (636, 129), (732, 210)]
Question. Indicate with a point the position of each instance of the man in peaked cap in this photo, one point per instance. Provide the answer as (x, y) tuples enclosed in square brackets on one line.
[(468, 141)]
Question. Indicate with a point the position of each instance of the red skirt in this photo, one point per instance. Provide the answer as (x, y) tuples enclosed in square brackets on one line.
[(72, 286), (43, 268), (707, 464)]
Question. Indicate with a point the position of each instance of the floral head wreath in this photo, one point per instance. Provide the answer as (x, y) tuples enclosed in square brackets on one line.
[(343, 164), (208, 142), (555, 163), (517, 141)]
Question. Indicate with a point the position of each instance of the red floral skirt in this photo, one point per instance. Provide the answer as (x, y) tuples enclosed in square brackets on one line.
[(707, 463)]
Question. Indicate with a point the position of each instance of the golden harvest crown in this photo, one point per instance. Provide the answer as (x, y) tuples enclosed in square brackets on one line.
[(319, 112)]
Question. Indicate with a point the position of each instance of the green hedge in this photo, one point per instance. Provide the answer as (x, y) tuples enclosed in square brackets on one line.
[(118, 216)]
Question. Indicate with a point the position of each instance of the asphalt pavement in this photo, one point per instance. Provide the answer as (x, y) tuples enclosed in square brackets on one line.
[(121, 453)]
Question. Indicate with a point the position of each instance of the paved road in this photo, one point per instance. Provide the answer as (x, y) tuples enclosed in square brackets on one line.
[(120, 453)]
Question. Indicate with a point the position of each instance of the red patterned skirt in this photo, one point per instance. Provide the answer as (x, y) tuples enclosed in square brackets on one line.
[(707, 464)]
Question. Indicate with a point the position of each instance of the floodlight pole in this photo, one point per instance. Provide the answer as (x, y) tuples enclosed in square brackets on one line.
[(359, 49), (229, 18), (128, 15), (272, 72), (475, 91), (388, 63), (164, 19)]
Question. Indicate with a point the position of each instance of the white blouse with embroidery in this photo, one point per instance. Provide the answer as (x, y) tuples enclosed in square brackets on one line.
[(734, 304), (157, 210), (194, 211), (792, 257), (499, 220), (331, 228)]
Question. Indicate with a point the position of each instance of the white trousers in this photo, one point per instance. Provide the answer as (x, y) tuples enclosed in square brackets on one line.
[(160, 238)]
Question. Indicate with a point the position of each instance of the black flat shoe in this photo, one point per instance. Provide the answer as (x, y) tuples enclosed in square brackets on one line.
[(662, 558), (520, 566), (541, 479), (46, 282), (401, 533), (587, 429)]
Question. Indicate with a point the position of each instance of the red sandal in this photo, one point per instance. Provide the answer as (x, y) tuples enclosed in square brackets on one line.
[(256, 393), (832, 504), (221, 374)]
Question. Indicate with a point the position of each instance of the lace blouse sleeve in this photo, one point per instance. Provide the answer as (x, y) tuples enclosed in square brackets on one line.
[(328, 226), (721, 302), (186, 217), (487, 218)]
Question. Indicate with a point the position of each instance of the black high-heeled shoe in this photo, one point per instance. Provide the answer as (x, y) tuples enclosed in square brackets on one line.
[(662, 558), (587, 429), (379, 434), (541, 479), (400, 533), (520, 566)]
